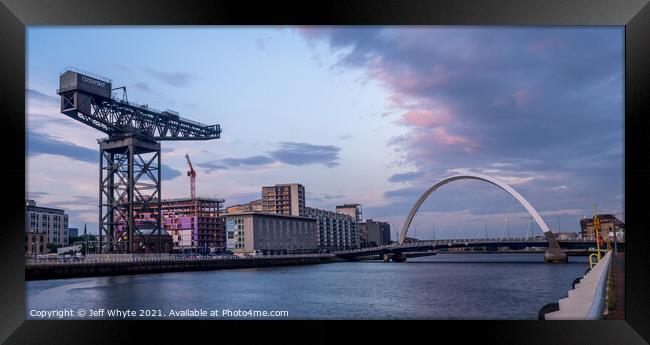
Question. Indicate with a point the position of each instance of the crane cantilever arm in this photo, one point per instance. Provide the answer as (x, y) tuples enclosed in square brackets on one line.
[(120, 117), (187, 156)]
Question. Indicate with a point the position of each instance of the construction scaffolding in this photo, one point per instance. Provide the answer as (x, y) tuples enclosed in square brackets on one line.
[(195, 224)]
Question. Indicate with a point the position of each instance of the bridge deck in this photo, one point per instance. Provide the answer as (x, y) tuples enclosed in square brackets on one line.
[(518, 243)]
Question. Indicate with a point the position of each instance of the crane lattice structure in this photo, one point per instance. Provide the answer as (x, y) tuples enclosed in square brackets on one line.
[(129, 158), (192, 174)]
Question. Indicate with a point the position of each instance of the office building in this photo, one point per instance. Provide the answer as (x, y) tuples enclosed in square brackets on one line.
[(72, 233), (336, 231), (52, 222), (265, 233), (374, 233), (286, 199)]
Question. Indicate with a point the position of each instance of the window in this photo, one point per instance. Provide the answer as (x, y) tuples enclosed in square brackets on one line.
[(33, 221)]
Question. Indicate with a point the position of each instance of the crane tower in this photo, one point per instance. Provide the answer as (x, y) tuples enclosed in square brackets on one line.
[(129, 157)]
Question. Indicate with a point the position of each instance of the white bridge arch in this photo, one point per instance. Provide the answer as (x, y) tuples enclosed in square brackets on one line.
[(471, 176)]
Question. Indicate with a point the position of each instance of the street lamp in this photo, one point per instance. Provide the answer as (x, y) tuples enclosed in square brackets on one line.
[(615, 239), (433, 227)]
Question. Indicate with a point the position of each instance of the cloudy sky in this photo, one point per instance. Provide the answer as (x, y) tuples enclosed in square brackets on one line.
[(370, 115)]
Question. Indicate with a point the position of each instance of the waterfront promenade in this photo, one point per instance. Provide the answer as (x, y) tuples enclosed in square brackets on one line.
[(616, 299), (596, 295)]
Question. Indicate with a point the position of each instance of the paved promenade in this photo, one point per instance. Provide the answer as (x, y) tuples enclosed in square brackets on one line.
[(618, 313)]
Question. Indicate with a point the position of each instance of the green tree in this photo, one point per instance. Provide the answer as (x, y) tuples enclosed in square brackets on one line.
[(51, 247)]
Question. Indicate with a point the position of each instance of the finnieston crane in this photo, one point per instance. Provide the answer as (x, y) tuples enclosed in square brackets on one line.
[(129, 158), (192, 174)]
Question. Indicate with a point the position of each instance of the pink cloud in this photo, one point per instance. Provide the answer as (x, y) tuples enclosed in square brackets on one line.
[(402, 77), (441, 135), (547, 44), (424, 144), (427, 117), (312, 32), (521, 98), (397, 100)]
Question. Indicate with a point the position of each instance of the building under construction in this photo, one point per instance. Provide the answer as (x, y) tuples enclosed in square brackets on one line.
[(195, 224), (609, 224)]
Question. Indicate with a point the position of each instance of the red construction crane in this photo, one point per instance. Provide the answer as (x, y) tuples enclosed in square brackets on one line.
[(192, 174)]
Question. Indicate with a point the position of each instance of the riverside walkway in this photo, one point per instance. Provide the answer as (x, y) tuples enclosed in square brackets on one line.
[(588, 300), (616, 307)]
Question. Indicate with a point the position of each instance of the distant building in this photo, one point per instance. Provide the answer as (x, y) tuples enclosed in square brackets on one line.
[(336, 231), (607, 225), (566, 236), (256, 205), (148, 241), (72, 232), (286, 199), (411, 240), (239, 208), (375, 233), (270, 233), (353, 210), (71, 249), (253, 206), (52, 222), (35, 243), (363, 235)]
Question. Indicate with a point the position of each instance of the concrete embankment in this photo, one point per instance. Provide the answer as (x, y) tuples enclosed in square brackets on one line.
[(42, 271), (588, 299)]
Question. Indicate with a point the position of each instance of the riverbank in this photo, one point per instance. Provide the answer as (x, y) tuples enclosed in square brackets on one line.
[(45, 271)]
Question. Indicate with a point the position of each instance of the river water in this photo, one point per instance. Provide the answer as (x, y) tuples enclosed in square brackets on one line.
[(445, 286)]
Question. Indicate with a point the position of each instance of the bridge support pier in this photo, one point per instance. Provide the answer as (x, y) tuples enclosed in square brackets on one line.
[(399, 257), (554, 255), (396, 257)]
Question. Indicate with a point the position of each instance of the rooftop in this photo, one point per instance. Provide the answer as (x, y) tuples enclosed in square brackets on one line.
[(265, 214)]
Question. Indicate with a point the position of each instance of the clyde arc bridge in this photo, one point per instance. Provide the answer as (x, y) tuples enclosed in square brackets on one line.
[(554, 253)]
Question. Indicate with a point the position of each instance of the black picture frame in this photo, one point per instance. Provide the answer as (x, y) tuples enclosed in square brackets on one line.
[(15, 15)]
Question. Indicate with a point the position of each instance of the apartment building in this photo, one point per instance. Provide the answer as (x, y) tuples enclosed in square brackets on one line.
[(286, 199), (336, 231), (52, 222)]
